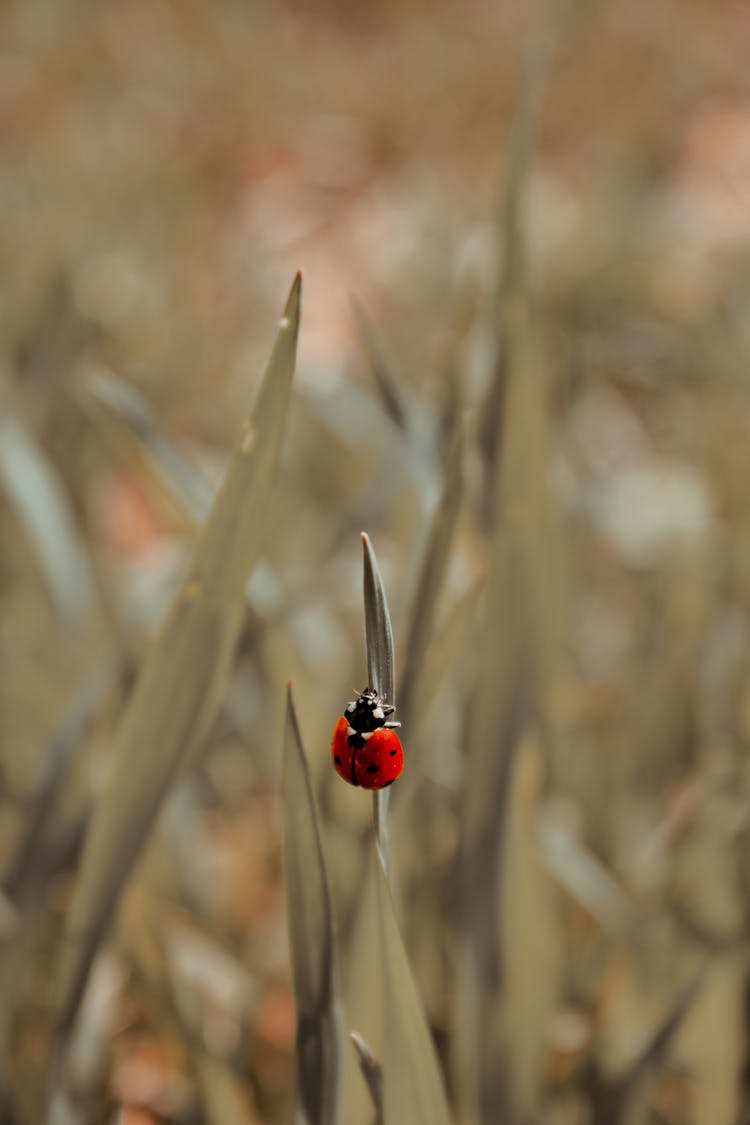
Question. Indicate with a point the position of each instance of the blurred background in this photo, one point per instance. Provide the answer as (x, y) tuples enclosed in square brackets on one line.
[(164, 170)]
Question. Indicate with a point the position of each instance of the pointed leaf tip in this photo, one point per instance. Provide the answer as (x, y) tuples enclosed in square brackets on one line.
[(291, 314), (378, 629)]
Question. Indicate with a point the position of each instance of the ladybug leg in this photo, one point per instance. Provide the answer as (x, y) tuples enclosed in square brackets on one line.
[(391, 725)]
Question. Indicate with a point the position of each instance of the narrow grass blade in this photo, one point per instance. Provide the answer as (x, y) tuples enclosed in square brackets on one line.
[(446, 649), (502, 706), (380, 667), (586, 879), (372, 1074), (378, 629), (311, 937), (432, 574), (386, 379), (511, 284), (613, 1100), (531, 940), (43, 510), (57, 336), (412, 1083), (181, 680), (183, 482), (520, 147), (23, 869)]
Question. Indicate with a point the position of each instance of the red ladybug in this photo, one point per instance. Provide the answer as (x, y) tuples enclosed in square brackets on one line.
[(365, 748)]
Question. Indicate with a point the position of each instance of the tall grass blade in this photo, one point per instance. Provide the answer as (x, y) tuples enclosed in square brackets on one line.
[(517, 655), (372, 1074), (445, 650), (22, 870), (57, 336), (44, 512), (174, 471), (181, 680), (511, 284), (412, 1083), (613, 1101), (586, 879), (311, 935), (378, 629), (386, 379), (432, 574), (520, 147), (380, 668), (531, 939)]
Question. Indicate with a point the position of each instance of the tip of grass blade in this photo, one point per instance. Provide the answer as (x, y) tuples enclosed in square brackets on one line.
[(371, 1072), (380, 668), (291, 315), (378, 629), (386, 380)]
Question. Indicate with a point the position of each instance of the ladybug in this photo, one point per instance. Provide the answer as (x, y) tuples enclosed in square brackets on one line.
[(365, 748)]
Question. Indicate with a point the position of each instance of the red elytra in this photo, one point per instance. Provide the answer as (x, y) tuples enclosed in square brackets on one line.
[(375, 763)]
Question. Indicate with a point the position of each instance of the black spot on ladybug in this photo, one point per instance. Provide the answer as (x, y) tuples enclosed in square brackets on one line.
[(336, 759), (392, 752), (373, 768)]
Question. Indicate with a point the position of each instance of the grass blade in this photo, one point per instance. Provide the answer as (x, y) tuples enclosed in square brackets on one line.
[(378, 629), (382, 367), (22, 870), (612, 1101), (380, 668), (511, 284), (178, 688), (311, 936), (412, 1082), (531, 939), (432, 574), (175, 473), (585, 878), (371, 1072), (42, 508)]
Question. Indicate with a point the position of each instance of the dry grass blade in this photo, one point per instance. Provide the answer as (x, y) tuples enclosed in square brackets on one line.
[(531, 939), (511, 276), (519, 154), (585, 878), (613, 1101), (432, 573), (311, 936), (445, 649), (371, 1072), (42, 508), (380, 667), (502, 706), (413, 1086), (23, 867), (382, 368), (378, 629), (176, 474), (183, 674)]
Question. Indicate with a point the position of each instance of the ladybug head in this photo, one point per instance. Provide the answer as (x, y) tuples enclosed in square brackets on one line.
[(369, 711)]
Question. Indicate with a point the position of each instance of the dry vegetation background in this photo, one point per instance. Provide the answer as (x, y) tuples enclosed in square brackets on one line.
[(539, 409)]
